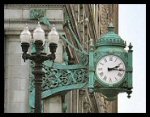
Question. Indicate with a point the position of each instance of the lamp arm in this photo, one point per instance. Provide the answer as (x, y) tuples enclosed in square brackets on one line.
[(51, 57), (26, 56)]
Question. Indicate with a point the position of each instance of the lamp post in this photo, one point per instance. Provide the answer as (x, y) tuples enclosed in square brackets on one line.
[(38, 57)]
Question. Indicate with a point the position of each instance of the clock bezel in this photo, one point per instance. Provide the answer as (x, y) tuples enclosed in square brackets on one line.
[(104, 84)]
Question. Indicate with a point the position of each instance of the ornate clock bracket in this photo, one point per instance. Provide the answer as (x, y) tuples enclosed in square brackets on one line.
[(59, 78)]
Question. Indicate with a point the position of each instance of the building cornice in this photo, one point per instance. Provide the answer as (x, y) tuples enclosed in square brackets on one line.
[(27, 6), (29, 21)]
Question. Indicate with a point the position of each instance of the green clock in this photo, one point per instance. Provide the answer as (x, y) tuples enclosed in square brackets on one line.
[(110, 70)]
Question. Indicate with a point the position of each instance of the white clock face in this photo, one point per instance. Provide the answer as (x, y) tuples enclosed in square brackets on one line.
[(110, 69)]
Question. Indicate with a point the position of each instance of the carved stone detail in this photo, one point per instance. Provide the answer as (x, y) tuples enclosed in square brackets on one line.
[(105, 16)]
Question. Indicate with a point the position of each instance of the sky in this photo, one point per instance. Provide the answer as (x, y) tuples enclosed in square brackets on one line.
[(132, 28)]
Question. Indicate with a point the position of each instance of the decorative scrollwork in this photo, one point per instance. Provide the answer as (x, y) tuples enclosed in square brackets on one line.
[(65, 78), (80, 75), (37, 13), (60, 77)]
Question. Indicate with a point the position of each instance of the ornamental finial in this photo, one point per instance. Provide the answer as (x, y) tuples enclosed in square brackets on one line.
[(111, 27), (39, 24), (26, 27), (130, 46)]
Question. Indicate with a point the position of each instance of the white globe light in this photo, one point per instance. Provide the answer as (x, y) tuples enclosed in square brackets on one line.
[(53, 36), (25, 35), (39, 34)]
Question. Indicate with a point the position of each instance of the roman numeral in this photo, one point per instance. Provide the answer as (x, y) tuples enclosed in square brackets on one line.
[(119, 74), (105, 78), (119, 64), (101, 74), (110, 80), (115, 59), (101, 63), (110, 58), (105, 60), (99, 69)]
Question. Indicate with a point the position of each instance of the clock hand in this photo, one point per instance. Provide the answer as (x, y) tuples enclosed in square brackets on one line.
[(117, 66), (109, 69), (121, 69)]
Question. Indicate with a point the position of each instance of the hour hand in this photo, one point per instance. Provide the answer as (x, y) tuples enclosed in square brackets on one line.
[(109, 69), (116, 66)]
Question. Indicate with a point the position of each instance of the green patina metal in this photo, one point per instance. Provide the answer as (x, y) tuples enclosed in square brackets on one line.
[(37, 13), (63, 77), (111, 39), (112, 44), (60, 78), (91, 67), (130, 69)]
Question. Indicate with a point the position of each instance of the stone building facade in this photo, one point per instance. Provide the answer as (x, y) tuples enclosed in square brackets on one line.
[(87, 20)]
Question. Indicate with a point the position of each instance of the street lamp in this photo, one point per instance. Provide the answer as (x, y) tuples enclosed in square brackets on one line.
[(38, 57)]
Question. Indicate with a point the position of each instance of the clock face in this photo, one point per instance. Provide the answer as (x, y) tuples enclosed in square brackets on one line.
[(110, 69)]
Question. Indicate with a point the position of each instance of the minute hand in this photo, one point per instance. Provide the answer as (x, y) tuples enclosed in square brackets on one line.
[(109, 69)]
